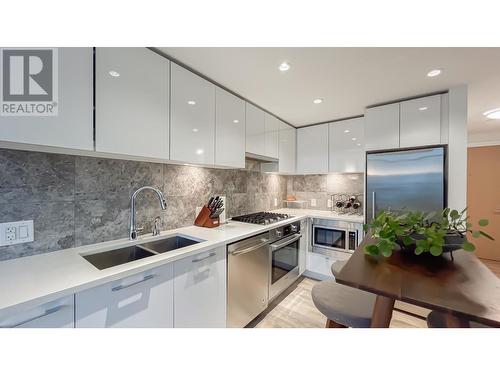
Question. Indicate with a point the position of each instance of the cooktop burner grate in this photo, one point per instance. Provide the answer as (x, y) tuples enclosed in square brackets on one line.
[(262, 218)]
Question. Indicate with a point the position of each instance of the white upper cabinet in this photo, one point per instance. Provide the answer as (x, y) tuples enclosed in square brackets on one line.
[(382, 127), (200, 290), (312, 149), (72, 127), (272, 127), (255, 130), (132, 102), (420, 123), (287, 149), (144, 300), (55, 314), (229, 130), (192, 125), (347, 152)]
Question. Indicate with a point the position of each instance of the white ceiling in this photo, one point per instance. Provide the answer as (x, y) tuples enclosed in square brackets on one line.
[(349, 79)]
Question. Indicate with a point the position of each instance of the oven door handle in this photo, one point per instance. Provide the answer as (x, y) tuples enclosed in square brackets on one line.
[(284, 242)]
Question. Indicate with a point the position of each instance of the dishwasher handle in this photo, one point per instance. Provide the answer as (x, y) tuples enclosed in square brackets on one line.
[(249, 249)]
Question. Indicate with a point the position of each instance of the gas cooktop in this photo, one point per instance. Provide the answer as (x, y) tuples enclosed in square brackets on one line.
[(262, 218)]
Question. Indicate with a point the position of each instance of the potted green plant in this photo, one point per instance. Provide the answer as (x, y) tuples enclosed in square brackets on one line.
[(420, 233)]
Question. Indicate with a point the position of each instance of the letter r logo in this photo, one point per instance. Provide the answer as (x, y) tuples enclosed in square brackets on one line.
[(27, 75)]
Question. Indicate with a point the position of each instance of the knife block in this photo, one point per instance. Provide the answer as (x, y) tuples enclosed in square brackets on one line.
[(203, 219)]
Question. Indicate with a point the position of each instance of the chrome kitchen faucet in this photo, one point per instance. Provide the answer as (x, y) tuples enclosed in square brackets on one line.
[(132, 235)]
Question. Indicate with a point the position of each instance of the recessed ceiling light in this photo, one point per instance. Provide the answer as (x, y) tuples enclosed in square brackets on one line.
[(346, 131), (191, 102), (354, 139), (434, 73), (358, 144), (199, 151), (493, 114), (114, 73), (423, 109), (195, 130), (284, 66), (236, 121), (318, 101)]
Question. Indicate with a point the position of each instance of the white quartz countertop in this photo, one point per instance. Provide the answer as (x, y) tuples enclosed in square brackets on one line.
[(30, 281)]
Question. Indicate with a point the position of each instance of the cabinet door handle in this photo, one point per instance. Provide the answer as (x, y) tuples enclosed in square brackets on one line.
[(46, 313), (120, 287), (201, 259)]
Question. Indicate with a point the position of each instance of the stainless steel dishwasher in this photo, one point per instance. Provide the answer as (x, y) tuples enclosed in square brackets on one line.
[(248, 279)]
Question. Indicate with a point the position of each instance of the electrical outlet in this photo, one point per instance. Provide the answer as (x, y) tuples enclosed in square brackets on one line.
[(313, 202), (329, 203), (10, 233), (16, 232), (275, 202)]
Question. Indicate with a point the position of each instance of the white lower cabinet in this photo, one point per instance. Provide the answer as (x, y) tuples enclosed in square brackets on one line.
[(55, 314), (320, 265), (200, 290), (143, 300)]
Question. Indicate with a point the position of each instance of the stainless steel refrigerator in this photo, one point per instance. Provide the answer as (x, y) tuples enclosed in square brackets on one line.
[(405, 180)]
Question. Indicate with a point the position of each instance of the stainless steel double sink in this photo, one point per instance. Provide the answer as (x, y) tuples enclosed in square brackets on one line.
[(128, 254)]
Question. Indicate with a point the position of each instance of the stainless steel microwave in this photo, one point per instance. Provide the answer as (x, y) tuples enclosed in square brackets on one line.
[(336, 235)]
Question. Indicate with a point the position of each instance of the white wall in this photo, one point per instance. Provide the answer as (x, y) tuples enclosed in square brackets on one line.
[(487, 138), (457, 147)]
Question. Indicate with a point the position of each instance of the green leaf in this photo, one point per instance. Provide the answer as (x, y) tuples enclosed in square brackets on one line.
[(454, 214), (386, 252), (467, 246), (371, 250), (407, 240), (386, 247), (436, 250), (419, 251), (483, 222), (476, 234)]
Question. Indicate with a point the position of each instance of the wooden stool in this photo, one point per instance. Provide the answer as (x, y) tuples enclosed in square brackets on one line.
[(437, 319), (343, 306)]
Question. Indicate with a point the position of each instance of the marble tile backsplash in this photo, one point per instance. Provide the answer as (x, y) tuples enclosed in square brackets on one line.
[(321, 187), (77, 200)]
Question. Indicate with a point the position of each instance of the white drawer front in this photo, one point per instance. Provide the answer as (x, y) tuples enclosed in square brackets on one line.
[(200, 290), (142, 300), (55, 314)]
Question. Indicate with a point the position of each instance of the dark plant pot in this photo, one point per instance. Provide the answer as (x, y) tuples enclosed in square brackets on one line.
[(409, 248), (453, 242)]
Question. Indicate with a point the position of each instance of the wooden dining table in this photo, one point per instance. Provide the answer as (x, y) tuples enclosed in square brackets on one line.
[(462, 288)]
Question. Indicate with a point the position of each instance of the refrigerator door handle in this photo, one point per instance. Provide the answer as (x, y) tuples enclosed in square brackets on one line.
[(373, 205)]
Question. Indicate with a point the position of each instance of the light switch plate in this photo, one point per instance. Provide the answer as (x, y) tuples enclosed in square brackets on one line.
[(313, 202), (275, 202), (16, 232)]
